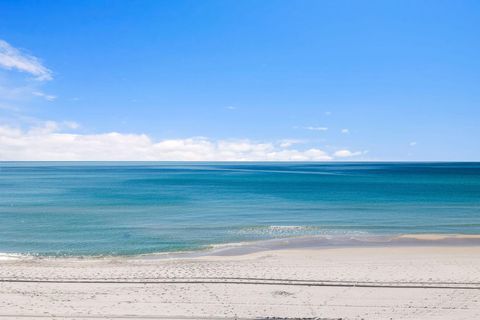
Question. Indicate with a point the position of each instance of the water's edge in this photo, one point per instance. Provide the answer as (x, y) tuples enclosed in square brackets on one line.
[(298, 243)]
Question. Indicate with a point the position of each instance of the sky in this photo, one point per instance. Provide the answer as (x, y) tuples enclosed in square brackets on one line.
[(240, 80)]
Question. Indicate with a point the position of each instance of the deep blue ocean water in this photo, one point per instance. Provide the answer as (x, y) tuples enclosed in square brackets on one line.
[(116, 208)]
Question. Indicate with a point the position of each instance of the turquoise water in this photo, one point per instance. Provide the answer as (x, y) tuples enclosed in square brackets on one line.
[(130, 208)]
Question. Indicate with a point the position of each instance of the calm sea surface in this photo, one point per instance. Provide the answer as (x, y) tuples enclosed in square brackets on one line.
[(130, 208)]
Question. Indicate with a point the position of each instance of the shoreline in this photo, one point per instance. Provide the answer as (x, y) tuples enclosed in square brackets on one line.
[(297, 242)]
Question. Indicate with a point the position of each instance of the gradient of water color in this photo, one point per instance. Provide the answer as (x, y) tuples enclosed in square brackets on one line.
[(117, 208)]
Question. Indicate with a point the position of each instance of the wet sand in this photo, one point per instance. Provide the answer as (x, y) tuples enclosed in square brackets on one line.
[(399, 282)]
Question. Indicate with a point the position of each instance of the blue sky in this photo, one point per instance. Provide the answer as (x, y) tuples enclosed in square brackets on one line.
[(239, 80)]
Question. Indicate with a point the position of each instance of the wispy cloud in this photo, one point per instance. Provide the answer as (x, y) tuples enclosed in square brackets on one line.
[(13, 59), (50, 127), (311, 128), (15, 92), (230, 108), (8, 107), (345, 131), (413, 144), (45, 96), (71, 125), (286, 143)]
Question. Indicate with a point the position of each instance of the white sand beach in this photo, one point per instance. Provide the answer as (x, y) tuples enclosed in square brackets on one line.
[(439, 282)]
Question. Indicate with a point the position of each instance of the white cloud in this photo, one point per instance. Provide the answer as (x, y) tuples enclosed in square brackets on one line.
[(47, 97), (49, 142), (346, 153), (231, 108), (316, 128), (328, 113), (345, 131), (413, 143), (12, 58)]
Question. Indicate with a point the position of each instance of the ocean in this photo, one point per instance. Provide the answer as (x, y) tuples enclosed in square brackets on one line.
[(128, 208)]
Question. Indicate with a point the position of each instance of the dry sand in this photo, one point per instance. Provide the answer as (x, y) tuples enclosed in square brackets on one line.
[(347, 283)]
